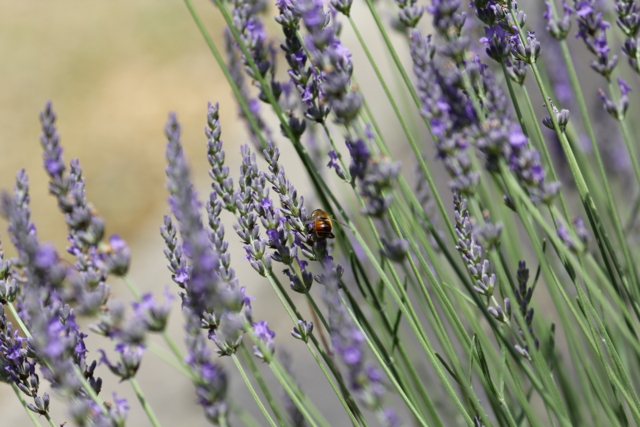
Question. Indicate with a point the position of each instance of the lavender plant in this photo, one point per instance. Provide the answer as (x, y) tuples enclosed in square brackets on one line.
[(415, 313)]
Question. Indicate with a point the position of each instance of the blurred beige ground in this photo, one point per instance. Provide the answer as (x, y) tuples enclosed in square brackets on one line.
[(113, 71)]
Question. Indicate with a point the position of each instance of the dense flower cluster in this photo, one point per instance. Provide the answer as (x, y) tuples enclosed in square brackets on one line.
[(448, 98), (449, 112), (56, 343), (206, 295), (304, 77), (332, 59)]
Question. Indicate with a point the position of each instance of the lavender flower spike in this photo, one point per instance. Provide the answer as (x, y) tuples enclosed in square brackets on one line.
[(348, 342), (450, 114), (477, 265), (333, 60), (205, 298), (203, 288), (629, 22), (592, 30)]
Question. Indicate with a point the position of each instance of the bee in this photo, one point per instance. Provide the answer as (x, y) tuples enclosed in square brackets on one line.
[(320, 224)]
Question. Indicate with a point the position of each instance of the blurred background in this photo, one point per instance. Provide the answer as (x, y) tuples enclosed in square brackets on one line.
[(113, 71)]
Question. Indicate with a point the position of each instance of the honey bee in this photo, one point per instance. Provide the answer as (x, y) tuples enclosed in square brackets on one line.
[(320, 224)]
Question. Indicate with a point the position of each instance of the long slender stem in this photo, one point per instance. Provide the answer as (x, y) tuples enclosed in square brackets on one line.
[(294, 314), (144, 402), (583, 190), (263, 386), (253, 391), (30, 413), (623, 384), (613, 211), (49, 420)]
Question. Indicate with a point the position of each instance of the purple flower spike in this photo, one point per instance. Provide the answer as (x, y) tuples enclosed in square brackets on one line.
[(127, 366), (617, 111), (50, 140), (153, 315), (624, 87), (263, 333), (118, 258), (558, 28), (333, 163), (203, 287), (592, 30), (349, 343)]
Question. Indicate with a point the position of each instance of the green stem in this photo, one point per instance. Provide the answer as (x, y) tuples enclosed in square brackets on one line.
[(583, 190), (543, 148), (263, 386), (514, 99), (253, 391), (613, 211), (244, 416), (144, 402), (162, 354), (308, 409), (623, 383), (30, 413), (294, 314), (49, 420)]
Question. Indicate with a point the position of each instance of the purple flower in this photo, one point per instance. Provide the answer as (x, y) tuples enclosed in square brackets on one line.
[(592, 29), (210, 378), (266, 203), (50, 141), (352, 355), (203, 287), (118, 258), (559, 29), (360, 156), (333, 60), (409, 14), (46, 257), (151, 314), (565, 236), (624, 87), (517, 139), (130, 358), (263, 333), (619, 110)]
